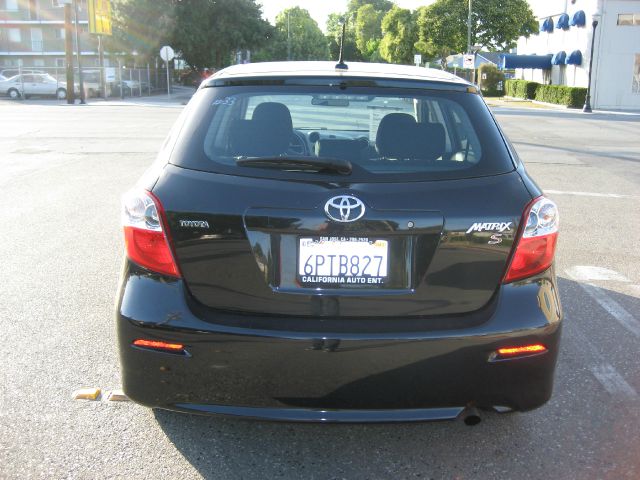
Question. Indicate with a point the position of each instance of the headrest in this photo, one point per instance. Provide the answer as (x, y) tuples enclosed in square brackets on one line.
[(431, 141), (399, 136), (268, 133), (394, 135), (273, 112)]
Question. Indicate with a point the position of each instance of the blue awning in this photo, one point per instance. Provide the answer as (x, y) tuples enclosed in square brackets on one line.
[(525, 61), (563, 22), (579, 19), (559, 58), (574, 58), (547, 25)]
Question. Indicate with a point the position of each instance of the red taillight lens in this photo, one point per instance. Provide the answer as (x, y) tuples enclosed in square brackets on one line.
[(536, 245), (510, 352), (158, 345), (146, 241)]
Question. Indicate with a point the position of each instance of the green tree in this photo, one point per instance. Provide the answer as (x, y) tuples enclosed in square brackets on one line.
[(368, 30), (495, 26), (142, 26), (441, 30), (205, 32), (334, 32), (399, 36), (379, 5), (298, 37)]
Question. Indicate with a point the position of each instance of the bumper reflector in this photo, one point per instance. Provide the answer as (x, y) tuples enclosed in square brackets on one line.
[(512, 352), (158, 345)]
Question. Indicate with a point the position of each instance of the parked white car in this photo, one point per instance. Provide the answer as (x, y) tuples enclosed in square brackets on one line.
[(32, 84)]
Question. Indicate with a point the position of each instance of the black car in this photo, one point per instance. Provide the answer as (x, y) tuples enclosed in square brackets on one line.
[(354, 244)]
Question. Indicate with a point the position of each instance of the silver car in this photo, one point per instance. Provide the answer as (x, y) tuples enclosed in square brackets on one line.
[(32, 84)]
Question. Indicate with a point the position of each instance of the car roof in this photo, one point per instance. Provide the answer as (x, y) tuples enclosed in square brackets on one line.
[(324, 69)]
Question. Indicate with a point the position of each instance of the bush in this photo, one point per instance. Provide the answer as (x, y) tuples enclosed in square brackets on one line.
[(521, 89), (562, 95), (491, 80)]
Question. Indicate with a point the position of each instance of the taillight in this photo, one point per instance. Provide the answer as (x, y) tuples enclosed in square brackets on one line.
[(536, 245), (515, 352), (146, 241), (159, 345)]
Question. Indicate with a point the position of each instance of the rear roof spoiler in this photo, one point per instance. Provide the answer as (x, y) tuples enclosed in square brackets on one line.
[(338, 81)]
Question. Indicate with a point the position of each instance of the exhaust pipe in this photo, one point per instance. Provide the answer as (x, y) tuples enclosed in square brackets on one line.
[(471, 416)]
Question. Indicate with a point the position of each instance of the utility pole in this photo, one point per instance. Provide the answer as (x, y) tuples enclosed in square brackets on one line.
[(68, 47), (78, 49), (103, 81), (288, 38), (469, 29), (469, 47)]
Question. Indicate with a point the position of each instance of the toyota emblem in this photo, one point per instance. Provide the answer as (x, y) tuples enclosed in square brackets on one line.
[(344, 208)]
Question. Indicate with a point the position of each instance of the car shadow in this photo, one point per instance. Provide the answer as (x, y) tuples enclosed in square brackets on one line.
[(219, 447), (223, 447)]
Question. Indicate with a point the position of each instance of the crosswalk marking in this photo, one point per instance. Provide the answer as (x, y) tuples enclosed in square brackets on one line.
[(612, 381), (612, 307)]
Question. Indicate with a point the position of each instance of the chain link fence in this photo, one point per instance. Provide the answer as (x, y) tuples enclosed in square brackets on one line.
[(105, 82)]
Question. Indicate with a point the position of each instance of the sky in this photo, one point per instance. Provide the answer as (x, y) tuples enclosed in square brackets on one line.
[(320, 9)]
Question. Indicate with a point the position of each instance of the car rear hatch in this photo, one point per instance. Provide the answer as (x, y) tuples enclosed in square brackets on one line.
[(400, 234), (239, 243)]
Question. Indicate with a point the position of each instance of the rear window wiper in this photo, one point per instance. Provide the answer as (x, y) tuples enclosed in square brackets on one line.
[(307, 164)]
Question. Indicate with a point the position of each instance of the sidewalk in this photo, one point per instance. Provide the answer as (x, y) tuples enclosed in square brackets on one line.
[(179, 97), (501, 102), (518, 103)]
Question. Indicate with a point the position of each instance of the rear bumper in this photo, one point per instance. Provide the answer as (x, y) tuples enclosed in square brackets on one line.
[(313, 370)]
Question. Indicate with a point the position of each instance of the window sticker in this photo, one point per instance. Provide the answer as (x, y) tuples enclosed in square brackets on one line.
[(225, 101)]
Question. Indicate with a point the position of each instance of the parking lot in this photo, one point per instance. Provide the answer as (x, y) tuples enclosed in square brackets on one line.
[(62, 171)]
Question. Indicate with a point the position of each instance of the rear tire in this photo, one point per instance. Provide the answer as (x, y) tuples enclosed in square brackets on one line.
[(13, 93), (61, 94)]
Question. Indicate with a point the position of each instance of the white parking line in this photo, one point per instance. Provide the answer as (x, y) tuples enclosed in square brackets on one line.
[(612, 381), (588, 273), (612, 307), (590, 194)]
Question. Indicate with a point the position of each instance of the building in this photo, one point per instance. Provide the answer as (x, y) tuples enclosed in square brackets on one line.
[(32, 35), (563, 49), (456, 61)]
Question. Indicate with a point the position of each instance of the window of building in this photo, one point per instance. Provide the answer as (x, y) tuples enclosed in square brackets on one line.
[(14, 35), (60, 62), (11, 5), (38, 62), (629, 19), (37, 45), (635, 88), (60, 33)]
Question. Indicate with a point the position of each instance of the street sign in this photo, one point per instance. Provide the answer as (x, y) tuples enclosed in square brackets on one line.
[(417, 59), (167, 53), (110, 74), (99, 16), (468, 61)]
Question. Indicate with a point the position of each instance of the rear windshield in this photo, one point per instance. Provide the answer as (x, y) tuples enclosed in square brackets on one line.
[(384, 134)]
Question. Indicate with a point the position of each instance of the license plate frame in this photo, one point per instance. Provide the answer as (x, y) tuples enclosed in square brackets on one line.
[(342, 262)]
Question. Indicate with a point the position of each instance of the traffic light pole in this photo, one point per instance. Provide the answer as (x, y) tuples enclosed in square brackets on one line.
[(78, 50), (68, 47)]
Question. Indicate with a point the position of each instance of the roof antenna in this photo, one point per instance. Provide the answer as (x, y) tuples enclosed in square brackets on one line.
[(341, 65)]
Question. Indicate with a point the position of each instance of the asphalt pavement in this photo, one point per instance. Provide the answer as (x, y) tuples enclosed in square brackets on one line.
[(62, 171)]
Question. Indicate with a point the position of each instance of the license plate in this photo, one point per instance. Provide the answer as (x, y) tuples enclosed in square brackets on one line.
[(343, 260)]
